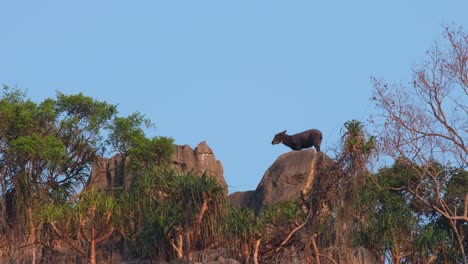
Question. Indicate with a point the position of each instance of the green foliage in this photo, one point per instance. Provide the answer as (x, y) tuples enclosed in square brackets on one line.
[(56, 212), (399, 223), (88, 221), (148, 199), (283, 213), (38, 147), (44, 131), (435, 240), (355, 140), (128, 138), (345, 203), (127, 132), (80, 109), (457, 188), (46, 153), (106, 207), (241, 224), (166, 203), (152, 240), (390, 221), (150, 153)]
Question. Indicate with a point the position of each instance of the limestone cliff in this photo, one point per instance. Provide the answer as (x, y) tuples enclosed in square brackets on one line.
[(108, 173), (199, 160)]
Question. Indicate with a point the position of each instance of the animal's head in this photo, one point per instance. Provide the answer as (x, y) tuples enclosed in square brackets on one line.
[(279, 138)]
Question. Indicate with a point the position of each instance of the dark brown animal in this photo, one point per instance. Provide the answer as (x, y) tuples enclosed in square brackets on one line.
[(306, 139)]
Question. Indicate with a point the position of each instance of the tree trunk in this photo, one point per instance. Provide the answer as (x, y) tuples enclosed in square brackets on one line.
[(178, 245), (31, 227), (191, 235), (199, 220), (92, 256), (396, 255), (188, 245), (431, 259), (255, 254), (246, 252), (316, 250)]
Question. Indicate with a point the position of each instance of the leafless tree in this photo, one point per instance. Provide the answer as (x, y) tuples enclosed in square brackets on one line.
[(426, 122)]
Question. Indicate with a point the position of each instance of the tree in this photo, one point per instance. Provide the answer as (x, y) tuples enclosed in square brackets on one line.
[(184, 209), (352, 174), (46, 150), (389, 229), (242, 229), (426, 124), (357, 147), (202, 203), (279, 227), (90, 220), (129, 140)]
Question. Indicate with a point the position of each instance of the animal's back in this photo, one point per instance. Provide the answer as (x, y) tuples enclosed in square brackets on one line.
[(309, 138), (310, 132)]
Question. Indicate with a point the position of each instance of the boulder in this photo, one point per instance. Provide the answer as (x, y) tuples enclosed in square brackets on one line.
[(291, 173), (242, 199)]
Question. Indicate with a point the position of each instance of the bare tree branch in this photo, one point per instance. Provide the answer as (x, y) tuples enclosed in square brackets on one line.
[(426, 126)]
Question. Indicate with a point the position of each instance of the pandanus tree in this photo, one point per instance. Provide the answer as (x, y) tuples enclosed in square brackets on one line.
[(241, 230), (186, 208), (86, 222), (351, 173), (263, 237), (357, 147), (202, 203)]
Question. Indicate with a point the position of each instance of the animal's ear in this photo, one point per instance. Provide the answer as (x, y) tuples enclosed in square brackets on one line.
[(284, 132)]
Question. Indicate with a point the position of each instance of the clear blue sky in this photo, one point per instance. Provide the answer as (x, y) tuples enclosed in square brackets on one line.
[(232, 73)]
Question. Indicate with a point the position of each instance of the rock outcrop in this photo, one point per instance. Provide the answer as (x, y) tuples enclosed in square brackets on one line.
[(108, 173), (292, 173), (199, 160)]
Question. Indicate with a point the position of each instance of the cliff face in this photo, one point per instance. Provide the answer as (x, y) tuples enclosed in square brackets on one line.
[(108, 173), (199, 160), (292, 173)]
